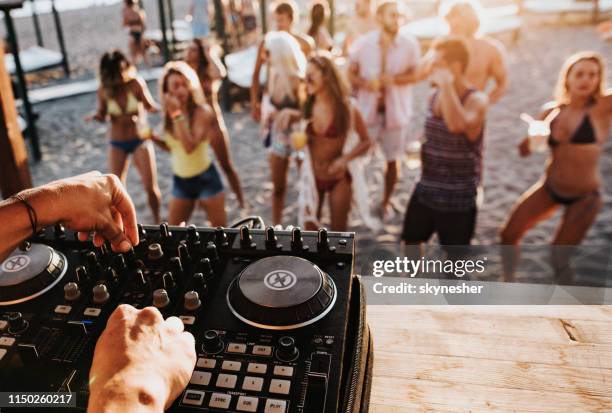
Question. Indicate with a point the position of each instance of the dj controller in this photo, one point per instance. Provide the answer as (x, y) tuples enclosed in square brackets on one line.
[(269, 311)]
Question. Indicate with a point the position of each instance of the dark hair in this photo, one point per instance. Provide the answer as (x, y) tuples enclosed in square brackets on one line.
[(203, 63), (285, 8), (131, 3), (317, 18), (195, 96), (113, 64), (338, 90), (454, 50)]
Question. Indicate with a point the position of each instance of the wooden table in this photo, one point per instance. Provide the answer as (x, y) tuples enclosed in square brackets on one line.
[(492, 359)]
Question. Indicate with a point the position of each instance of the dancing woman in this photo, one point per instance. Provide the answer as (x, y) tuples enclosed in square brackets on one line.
[(190, 125), (577, 134), (211, 71), (121, 97)]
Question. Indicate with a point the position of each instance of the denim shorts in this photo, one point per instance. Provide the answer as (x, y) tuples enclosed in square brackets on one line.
[(203, 186)]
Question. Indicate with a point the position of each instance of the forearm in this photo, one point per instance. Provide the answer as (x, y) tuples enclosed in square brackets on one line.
[(111, 398), (358, 150), (181, 130), (497, 92), (453, 113)]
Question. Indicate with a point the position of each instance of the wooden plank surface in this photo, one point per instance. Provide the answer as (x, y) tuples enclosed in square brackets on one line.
[(491, 358)]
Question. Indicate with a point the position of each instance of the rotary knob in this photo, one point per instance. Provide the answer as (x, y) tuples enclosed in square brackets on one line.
[(160, 298), (286, 350), (71, 291), (271, 240), (246, 240), (211, 252), (100, 294), (142, 233), (212, 343), (297, 243), (155, 252), (164, 230), (192, 301), (220, 237), (17, 323)]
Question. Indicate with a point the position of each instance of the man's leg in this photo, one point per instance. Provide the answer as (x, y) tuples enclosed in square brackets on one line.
[(393, 144)]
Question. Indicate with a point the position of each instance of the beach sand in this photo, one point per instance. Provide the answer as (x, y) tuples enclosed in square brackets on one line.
[(71, 146)]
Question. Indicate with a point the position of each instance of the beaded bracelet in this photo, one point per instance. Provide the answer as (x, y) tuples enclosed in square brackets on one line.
[(31, 212)]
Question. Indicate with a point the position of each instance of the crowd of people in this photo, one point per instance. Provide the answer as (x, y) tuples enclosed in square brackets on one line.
[(323, 116)]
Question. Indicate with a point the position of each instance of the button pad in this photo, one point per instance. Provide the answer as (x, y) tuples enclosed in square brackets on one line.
[(193, 398), (257, 368), (62, 309), (200, 378), (252, 383), (206, 363), (236, 348), (280, 386), (7, 341), (3, 325), (285, 371), (275, 406), (92, 312), (247, 404), (231, 365), (220, 401), (262, 350), (226, 381), (188, 319)]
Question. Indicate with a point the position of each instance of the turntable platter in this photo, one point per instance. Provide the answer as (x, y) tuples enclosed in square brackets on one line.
[(26, 274), (281, 293)]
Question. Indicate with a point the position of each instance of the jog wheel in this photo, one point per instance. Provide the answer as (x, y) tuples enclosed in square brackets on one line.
[(30, 272), (281, 293)]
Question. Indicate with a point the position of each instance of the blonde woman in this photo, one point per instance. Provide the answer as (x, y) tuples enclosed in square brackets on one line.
[(190, 126), (577, 135), (285, 90)]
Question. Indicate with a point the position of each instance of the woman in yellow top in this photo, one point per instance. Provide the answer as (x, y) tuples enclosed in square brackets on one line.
[(121, 97), (190, 124)]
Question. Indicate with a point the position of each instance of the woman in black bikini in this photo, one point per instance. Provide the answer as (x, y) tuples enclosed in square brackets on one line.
[(576, 140), (134, 19), (211, 71), (122, 97), (331, 117)]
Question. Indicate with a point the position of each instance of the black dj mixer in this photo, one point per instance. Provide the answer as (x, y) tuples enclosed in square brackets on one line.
[(269, 311)]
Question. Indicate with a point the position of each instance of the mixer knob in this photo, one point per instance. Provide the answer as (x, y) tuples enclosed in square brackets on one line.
[(246, 240), (71, 291), (140, 279), (81, 274), (160, 298), (92, 261), (168, 281), (130, 258), (199, 283), (142, 233), (323, 241), (192, 301), (17, 323), (206, 268), (176, 266), (59, 231), (183, 252), (296, 239), (165, 231), (271, 240), (211, 252), (192, 234), (110, 275), (286, 350), (100, 294), (120, 265), (220, 237), (212, 343), (155, 252)]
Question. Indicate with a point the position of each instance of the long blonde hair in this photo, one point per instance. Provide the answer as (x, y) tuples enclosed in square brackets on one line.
[(561, 90), (196, 97), (286, 61)]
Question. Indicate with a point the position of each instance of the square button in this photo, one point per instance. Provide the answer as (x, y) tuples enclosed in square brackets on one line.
[(236, 348), (201, 378), (3, 324), (227, 381), (285, 371), (63, 309), (252, 383), (188, 319), (92, 311), (275, 406), (231, 365), (280, 386), (247, 404), (2, 353), (258, 368), (193, 397), (220, 401), (206, 363), (262, 350), (7, 341)]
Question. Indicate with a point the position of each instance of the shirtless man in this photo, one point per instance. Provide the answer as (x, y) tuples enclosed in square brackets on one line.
[(285, 13), (362, 22), (487, 56)]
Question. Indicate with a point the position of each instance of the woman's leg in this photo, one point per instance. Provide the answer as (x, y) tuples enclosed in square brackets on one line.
[(144, 159), (279, 167), (224, 157), (340, 204), (118, 162), (533, 206), (180, 210), (215, 210)]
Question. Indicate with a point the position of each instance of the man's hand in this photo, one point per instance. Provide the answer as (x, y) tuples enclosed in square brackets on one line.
[(141, 362), (89, 202), (441, 77), (256, 111)]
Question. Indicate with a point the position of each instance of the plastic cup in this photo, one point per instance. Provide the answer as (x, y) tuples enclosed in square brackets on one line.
[(298, 140), (538, 133)]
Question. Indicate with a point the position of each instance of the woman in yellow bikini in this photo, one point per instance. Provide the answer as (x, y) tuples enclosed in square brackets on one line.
[(122, 97), (190, 128)]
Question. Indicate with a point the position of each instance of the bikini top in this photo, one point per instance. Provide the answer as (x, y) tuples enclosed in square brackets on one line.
[(331, 132), (131, 106), (287, 102), (584, 134)]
